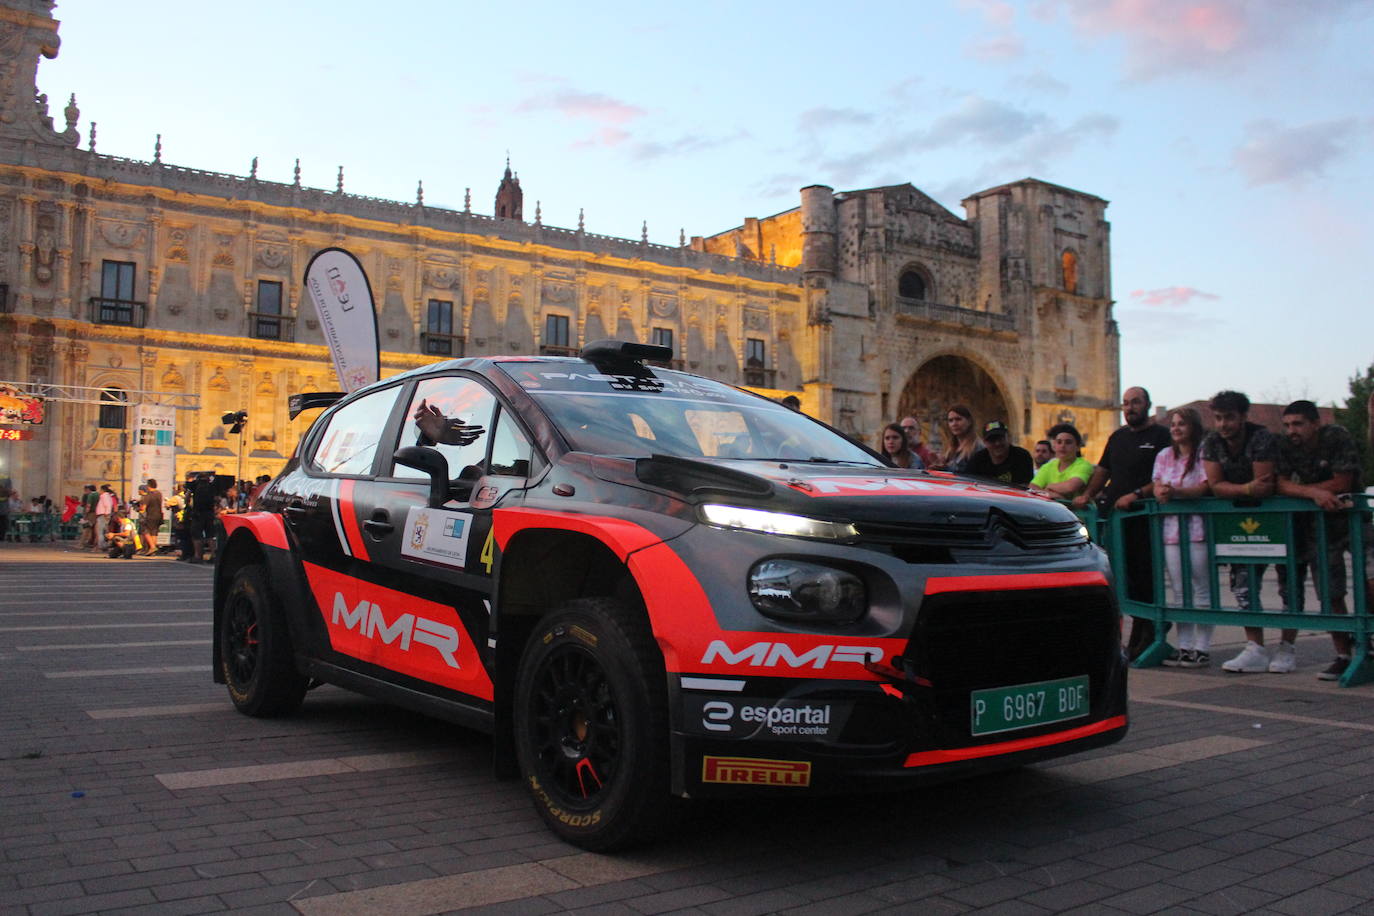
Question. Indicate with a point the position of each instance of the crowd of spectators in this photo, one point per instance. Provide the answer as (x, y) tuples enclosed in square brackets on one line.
[(1236, 459)]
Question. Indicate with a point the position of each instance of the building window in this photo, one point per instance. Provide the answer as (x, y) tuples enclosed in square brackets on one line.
[(113, 412), (662, 337), (911, 285), (556, 339), (117, 280), (267, 323), (1068, 263), (115, 304), (756, 371), (438, 336)]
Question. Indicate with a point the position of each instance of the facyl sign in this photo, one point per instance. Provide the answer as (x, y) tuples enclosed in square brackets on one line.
[(155, 444)]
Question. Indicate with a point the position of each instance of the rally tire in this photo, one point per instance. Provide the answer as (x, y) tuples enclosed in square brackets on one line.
[(591, 729), (255, 648)]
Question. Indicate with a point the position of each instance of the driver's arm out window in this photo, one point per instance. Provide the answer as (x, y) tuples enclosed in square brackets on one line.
[(466, 406)]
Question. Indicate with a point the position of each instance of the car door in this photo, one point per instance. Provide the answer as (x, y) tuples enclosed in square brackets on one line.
[(438, 560), (318, 502)]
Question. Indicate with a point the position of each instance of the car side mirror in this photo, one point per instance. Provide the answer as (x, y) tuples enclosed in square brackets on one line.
[(432, 462)]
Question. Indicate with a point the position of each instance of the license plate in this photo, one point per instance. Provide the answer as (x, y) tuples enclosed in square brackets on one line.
[(1004, 709)]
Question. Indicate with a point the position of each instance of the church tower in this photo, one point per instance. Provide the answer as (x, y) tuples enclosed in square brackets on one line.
[(509, 198)]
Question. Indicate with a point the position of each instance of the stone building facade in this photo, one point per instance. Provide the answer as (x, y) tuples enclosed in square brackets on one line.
[(124, 281)]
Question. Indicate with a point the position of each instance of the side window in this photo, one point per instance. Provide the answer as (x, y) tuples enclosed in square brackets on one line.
[(511, 453), (350, 441), (459, 412)]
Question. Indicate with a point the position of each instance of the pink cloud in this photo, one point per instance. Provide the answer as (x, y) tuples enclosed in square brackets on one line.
[(584, 106), (1165, 36), (1170, 297), (996, 12), (605, 137), (998, 47), (1273, 154)]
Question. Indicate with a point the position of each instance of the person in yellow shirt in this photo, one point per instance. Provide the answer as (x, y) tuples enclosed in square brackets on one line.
[(1066, 474)]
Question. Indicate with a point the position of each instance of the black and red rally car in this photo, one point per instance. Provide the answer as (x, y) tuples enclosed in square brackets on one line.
[(649, 584)]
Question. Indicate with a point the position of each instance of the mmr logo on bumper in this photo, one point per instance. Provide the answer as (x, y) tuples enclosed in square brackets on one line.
[(767, 654)]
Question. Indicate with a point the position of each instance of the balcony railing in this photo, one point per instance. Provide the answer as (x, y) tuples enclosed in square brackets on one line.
[(118, 311), (434, 344), (953, 314), (271, 326), (759, 378)]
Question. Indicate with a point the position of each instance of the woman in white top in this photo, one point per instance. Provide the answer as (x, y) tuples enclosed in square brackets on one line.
[(1178, 474)]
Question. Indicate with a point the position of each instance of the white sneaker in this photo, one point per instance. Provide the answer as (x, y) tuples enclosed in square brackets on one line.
[(1285, 659), (1252, 660)]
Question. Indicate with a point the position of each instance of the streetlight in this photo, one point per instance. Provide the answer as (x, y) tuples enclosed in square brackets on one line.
[(235, 420)]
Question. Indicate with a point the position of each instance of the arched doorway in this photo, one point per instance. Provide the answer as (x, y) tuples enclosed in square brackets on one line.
[(945, 381)]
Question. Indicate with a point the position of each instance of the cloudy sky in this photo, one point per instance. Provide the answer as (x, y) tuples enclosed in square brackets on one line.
[(1234, 138)]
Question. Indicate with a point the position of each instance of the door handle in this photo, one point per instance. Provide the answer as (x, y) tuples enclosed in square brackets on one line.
[(379, 526), (295, 512)]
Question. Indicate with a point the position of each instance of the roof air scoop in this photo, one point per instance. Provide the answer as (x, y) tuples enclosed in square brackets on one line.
[(623, 355)]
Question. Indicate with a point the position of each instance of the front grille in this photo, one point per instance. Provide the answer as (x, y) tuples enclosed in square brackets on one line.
[(932, 543), (975, 640)]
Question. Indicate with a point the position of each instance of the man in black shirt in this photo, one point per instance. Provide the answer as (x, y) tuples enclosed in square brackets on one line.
[(1123, 476), (1001, 460)]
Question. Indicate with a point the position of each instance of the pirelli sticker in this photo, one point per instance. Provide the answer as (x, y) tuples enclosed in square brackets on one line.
[(756, 771)]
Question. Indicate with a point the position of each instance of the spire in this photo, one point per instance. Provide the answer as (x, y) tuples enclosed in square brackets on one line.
[(157, 150), (296, 181), (510, 200), (253, 170), (92, 137), (538, 214), (338, 185), (419, 193), (467, 200)]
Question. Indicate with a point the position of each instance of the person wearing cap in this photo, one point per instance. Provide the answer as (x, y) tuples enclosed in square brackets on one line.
[(1001, 460)]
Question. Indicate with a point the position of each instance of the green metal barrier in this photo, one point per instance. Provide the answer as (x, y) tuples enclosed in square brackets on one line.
[(1252, 535)]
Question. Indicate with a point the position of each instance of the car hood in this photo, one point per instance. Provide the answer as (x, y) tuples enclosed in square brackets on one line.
[(860, 494)]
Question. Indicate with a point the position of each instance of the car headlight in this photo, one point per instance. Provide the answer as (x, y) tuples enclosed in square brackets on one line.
[(776, 522), (806, 592)]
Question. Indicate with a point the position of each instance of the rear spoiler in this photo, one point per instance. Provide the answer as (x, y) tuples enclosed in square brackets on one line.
[(310, 400)]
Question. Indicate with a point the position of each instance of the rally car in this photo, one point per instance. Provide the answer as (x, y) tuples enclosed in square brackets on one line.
[(647, 585)]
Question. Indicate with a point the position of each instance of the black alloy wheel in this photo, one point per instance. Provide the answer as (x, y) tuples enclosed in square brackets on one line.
[(591, 724), (255, 648)]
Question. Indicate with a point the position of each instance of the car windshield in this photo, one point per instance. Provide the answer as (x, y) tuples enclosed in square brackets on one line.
[(679, 415)]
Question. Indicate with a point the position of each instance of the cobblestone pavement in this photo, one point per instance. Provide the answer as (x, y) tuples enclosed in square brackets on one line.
[(127, 782)]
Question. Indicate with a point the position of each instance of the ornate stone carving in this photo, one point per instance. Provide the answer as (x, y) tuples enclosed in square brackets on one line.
[(312, 323), (557, 292), (663, 306), (272, 256), (116, 361), (441, 277), (266, 385), (393, 333), (172, 377), (45, 248), (224, 251), (221, 313), (219, 381), (179, 238), (120, 234), (393, 273), (755, 319)]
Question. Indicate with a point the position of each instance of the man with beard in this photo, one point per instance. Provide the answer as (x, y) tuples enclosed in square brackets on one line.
[(1123, 476), (1320, 463)]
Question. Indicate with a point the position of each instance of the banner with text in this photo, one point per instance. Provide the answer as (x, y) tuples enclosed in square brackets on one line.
[(155, 445), (337, 284)]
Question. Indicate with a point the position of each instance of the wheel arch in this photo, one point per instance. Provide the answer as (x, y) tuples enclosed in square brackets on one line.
[(567, 565)]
